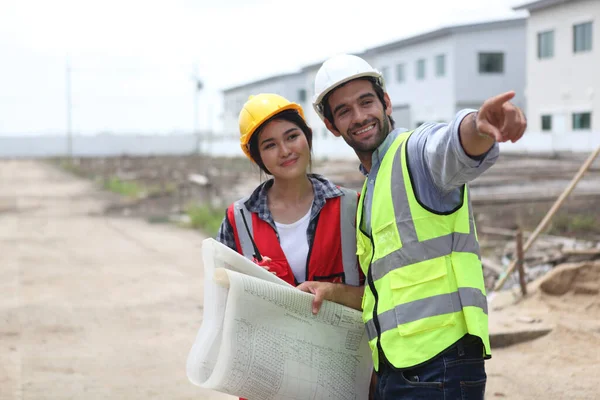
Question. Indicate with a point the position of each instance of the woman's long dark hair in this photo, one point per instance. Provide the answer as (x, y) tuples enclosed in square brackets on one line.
[(286, 115)]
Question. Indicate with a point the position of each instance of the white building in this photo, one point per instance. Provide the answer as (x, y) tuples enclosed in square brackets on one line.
[(432, 76), (429, 77), (563, 80)]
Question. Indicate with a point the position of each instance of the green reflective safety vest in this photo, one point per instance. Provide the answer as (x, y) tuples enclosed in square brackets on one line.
[(425, 287)]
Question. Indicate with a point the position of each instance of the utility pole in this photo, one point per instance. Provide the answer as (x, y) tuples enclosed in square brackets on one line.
[(197, 88), (210, 132), (68, 111)]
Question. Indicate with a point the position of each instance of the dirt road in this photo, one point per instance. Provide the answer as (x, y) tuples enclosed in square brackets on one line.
[(91, 307)]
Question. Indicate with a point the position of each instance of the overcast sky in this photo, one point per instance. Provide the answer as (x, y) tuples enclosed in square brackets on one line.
[(133, 60)]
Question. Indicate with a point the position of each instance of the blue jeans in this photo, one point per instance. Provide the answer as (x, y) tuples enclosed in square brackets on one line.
[(456, 373)]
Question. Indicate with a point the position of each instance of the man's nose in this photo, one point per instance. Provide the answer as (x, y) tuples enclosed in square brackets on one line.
[(359, 116)]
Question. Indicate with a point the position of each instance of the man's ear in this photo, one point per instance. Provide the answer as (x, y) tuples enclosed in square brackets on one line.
[(388, 104), (331, 128)]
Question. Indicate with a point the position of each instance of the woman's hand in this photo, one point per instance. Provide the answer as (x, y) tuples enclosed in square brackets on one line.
[(264, 263)]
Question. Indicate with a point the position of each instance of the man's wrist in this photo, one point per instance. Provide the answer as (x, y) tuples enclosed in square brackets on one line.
[(338, 293), (480, 134)]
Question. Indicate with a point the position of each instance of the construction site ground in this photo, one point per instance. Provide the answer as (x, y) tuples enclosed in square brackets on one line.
[(91, 306), (99, 301), (517, 190)]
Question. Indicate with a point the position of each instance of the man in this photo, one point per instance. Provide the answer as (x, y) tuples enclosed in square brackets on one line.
[(424, 303)]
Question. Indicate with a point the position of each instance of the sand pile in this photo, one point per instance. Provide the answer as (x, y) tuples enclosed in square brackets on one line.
[(563, 364), (578, 278)]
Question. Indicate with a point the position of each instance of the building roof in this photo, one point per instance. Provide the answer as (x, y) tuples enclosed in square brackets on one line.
[(540, 4), (505, 23), (261, 81), (446, 31)]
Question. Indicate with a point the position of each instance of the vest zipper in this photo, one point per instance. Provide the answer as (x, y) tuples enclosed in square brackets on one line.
[(382, 357)]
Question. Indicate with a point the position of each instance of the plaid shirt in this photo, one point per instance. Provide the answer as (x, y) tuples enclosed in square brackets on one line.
[(257, 203)]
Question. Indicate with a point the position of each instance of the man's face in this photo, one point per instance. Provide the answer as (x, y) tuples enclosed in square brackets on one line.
[(358, 115)]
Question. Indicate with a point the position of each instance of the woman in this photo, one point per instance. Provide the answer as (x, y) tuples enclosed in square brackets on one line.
[(299, 226)]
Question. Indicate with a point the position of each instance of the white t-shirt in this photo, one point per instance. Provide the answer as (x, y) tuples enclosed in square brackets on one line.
[(293, 241)]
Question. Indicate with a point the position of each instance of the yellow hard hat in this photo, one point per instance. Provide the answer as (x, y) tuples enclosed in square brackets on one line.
[(257, 110)]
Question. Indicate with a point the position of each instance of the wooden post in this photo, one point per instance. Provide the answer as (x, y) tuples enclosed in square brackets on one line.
[(542, 225), (519, 256)]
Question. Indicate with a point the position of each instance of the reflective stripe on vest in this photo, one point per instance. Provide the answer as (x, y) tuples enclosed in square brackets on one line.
[(431, 299), (428, 307), (348, 204), (244, 238)]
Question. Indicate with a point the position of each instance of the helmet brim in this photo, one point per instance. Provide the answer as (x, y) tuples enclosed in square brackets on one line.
[(246, 139)]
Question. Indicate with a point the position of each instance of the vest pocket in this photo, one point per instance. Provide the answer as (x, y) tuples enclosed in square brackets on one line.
[(386, 239), (418, 293)]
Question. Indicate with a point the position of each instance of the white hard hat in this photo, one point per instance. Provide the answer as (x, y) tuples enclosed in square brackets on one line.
[(340, 69)]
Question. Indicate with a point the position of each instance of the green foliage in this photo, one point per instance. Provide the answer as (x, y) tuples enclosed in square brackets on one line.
[(124, 188), (206, 218), (565, 223)]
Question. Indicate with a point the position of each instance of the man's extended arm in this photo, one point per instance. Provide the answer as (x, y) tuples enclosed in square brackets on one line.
[(450, 155), (497, 120)]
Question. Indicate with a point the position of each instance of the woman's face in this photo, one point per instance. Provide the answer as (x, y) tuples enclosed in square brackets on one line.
[(284, 149)]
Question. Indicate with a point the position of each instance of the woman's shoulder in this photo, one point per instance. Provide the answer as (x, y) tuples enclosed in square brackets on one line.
[(251, 201), (328, 187)]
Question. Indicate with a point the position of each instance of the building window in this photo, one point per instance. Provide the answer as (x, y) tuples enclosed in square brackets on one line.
[(400, 76), (421, 69), (301, 95), (546, 44), (491, 63), (582, 37), (385, 71), (546, 122), (440, 65), (582, 121)]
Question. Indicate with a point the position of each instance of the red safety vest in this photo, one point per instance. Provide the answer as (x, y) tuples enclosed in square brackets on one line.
[(331, 256)]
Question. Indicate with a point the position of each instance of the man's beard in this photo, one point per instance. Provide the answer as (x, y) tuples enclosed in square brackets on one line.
[(379, 137)]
